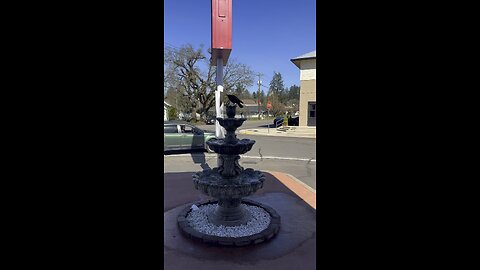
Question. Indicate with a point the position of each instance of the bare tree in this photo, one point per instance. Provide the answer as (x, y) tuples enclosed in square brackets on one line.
[(190, 70)]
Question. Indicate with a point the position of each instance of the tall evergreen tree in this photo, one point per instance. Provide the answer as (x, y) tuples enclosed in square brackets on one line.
[(276, 84), (294, 92), (263, 100), (241, 91), (277, 93)]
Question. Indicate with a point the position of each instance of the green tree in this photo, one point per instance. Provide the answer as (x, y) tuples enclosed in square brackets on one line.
[(276, 94), (294, 92), (241, 91), (263, 99), (276, 84), (293, 98), (247, 95), (172, 113)]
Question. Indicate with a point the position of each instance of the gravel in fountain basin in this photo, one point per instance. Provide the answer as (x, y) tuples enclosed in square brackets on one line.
[(193, 224), (198, 220)]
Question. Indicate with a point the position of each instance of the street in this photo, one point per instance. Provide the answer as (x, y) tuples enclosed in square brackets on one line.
[(247, 124), (294, 156)]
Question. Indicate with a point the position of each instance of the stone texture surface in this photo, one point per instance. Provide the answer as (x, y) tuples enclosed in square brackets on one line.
[(264, 235), (239, 148), (296, 235), (211, 183), (229, 183), (180, 184), (293, 248)]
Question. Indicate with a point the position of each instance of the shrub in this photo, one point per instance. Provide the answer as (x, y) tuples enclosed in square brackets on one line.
[(172, 113)]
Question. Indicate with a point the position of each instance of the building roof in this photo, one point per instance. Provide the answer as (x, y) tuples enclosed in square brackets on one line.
[(298, 59), (253, 109), (249, 101)]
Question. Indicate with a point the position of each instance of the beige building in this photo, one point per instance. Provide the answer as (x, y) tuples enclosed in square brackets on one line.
[(307, 64)]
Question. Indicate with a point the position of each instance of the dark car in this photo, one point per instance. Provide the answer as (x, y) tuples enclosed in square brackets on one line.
[(211, 119), (278, 121), (179, 135), (293, 121)]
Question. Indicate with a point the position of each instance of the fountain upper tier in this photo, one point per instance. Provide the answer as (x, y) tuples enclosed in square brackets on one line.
[(238, 147), (235, 146), (231, 124)]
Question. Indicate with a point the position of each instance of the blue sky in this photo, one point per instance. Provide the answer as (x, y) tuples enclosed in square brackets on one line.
[(266, 34)]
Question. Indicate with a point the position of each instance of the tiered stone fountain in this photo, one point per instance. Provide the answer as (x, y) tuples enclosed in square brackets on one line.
[(229, 219)]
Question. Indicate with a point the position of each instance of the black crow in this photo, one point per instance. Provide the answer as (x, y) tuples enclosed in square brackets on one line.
[(235, 100)]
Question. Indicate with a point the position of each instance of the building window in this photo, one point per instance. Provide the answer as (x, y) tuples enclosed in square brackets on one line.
[(170, 129), (312, 112), (186, 129)]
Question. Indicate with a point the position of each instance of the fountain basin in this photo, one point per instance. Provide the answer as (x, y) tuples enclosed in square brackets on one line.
[(213, 184), (237, 148)]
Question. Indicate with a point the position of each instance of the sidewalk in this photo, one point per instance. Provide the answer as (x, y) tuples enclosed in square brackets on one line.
[(294, 247), (289, 131)]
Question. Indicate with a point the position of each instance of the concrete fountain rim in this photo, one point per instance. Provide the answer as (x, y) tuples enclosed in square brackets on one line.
[(265, 235)]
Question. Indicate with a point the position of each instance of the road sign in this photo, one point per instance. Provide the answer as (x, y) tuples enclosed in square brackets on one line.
[(269, 105)]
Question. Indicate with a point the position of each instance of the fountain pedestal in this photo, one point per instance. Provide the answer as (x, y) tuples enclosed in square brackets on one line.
[(229, 213)]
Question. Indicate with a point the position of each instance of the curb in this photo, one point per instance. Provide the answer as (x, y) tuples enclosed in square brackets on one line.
[(306, 193), (211, 155), (248, 132), (296, 180)]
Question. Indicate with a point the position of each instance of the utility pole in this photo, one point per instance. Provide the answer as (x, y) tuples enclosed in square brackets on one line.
[(258, 95)]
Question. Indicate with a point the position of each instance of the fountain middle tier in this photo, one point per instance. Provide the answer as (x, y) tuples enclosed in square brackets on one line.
[(212, 183), (238, 147)]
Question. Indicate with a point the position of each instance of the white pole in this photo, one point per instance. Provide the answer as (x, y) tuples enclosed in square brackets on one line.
[(219, 78)]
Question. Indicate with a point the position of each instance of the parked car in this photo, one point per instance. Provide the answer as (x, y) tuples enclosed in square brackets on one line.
[(179, 135), (293, 121), (211, 119), (278, 121)]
